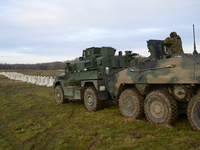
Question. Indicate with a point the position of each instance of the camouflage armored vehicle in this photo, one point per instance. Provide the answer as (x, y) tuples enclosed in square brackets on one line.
[(85, 80), (159, 87)]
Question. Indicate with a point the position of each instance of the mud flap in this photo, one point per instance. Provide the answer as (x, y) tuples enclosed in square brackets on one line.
[(103, 95)]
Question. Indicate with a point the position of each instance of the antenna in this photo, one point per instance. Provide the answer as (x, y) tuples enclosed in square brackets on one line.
[(195, 51)]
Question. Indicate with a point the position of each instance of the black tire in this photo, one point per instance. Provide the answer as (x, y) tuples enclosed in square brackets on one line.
[(59, 95), (91, 100), (161, 108), (193, 112), (131, 104)]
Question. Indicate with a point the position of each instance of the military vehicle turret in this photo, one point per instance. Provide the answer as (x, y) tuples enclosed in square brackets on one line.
[(159, 87), (85, 79)]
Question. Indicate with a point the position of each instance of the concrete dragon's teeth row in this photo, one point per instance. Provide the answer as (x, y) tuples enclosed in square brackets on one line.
[(38, 80)]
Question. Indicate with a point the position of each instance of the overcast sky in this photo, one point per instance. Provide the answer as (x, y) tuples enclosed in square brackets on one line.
[(35, 31)]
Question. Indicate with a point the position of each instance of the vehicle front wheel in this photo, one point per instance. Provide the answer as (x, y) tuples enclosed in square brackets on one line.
[(59, 95), (193, 112), (160, 108), (91, 100), (131, 104)]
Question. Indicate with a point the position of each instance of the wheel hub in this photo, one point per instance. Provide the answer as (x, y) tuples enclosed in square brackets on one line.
[(157, 109), (58, 95), (128, 104), (90, 100)]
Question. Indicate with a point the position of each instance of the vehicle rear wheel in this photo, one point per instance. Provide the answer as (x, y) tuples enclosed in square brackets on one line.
[(160, 108), (131, 104), (59, 95), (193, 112), (91, 100)]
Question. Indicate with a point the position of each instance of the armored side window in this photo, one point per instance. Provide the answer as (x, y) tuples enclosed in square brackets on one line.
[(88, 64), (70, 68), (96, 51), (122, 63), (114, 63), (88, 53)]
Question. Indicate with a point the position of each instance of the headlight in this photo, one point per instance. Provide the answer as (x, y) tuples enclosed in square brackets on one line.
[(102, 88), (107, 70)]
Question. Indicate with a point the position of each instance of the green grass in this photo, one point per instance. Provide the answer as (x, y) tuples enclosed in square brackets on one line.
[(31, 119)]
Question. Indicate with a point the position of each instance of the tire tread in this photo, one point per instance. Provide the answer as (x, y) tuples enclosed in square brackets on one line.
[(170, 103)]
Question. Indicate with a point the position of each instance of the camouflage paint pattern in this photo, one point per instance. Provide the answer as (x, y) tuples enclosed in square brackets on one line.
[(178, 69)]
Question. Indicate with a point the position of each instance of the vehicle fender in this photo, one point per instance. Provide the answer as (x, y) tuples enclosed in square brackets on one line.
[(90, 83)]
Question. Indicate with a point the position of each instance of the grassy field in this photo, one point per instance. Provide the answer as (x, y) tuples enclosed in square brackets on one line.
[(31, 119)]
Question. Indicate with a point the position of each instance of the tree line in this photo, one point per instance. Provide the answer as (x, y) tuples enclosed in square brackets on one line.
[(55, 65), (38, 66)]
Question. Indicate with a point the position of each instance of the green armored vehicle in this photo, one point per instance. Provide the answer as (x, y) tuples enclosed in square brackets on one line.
[(85, 79), (159, 86)]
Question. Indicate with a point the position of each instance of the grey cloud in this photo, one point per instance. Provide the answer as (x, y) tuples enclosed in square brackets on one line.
[(52, 28)]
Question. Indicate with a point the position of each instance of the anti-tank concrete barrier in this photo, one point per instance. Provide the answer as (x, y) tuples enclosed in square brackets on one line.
[(46, 82), (22, 77), (34, 80), (12, 76), (18, 77), (38, 80), (2, 73), (25, 78), (29, 79), (51, 79), (42, 81), (8, 74)]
